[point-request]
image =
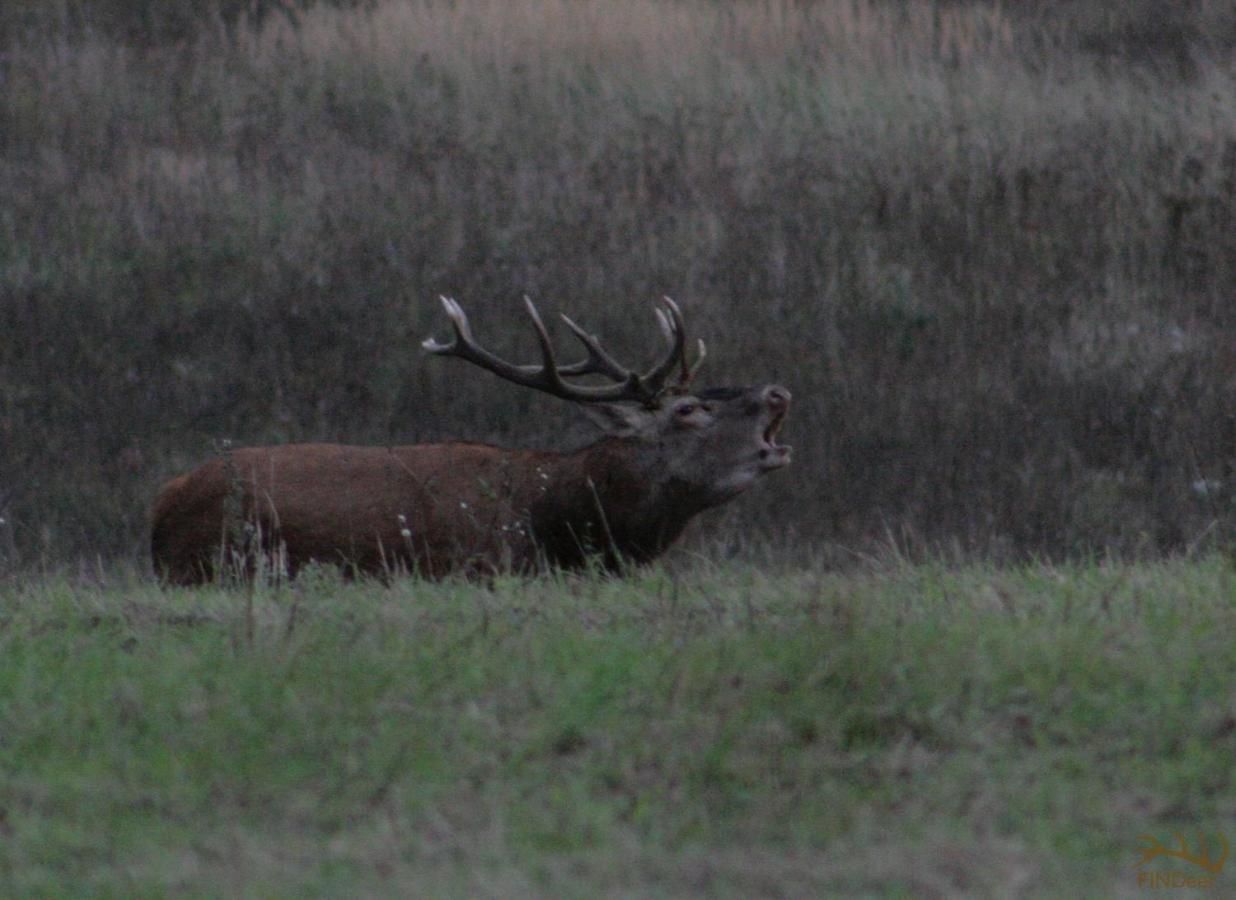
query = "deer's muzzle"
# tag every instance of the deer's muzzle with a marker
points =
(777, 401)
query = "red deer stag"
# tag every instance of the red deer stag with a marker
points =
(466, 507)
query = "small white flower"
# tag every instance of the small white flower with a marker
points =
(401, 518)
(405, 532)
(463, 504)
(1204, 487)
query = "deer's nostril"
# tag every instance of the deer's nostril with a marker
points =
(777, 397)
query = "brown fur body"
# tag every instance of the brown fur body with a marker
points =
(428, 508)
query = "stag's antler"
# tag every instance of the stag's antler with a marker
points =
(548, 377)
(1154, 848)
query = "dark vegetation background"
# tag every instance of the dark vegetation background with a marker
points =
(990, 247)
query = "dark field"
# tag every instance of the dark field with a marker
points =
(991, 249)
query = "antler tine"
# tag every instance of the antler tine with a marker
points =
(547, 377)
(675, 332)
(667, 327)
(459, 322)
(549, 367)
(598, 362)
(464, 345)
(688, 372)
(675, 329)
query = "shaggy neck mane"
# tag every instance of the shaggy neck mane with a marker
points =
(606, 500)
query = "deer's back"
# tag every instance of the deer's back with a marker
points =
(368, 507)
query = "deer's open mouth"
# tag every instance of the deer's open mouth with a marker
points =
(773, 454)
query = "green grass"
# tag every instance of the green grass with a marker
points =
(905, 731)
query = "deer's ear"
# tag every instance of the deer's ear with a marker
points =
(618, 419)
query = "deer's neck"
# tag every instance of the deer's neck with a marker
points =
(606, 500)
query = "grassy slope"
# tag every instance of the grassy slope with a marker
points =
(917, 729)
(990, 248)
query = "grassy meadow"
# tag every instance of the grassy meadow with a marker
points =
(706, 729)
(989, 247)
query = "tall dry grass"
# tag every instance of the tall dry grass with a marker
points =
(989, 247)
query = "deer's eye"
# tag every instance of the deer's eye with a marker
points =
(686, 409)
